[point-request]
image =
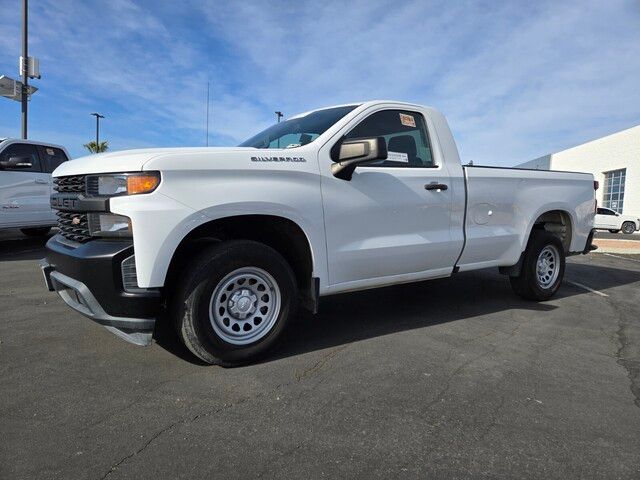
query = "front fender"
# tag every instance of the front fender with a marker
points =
(155, 245)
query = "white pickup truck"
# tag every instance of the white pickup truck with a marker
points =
(25, 184)
(226, 243)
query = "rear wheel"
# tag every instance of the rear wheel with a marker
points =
(542, 267)
(36, 232)
(614, 231)
(236, 299)
(628, 227)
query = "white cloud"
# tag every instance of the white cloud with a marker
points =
(516, 80)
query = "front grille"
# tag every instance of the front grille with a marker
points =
(74, 226)
(92, 186)
(72, 183)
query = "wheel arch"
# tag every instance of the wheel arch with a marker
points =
(556, 221)
(282, 234)
(559, 222)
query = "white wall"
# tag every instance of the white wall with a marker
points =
(613, 152)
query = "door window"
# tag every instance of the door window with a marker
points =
(22, 150)
(605, 211)
(405, 133)
(52, 157)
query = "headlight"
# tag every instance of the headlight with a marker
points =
(109, 225)
(122, 184)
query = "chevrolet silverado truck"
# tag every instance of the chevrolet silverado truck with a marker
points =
(25, 184)
(226, 243)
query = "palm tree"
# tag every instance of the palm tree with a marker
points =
(99, 148)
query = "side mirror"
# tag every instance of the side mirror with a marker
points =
(17, 162)
(351, 153)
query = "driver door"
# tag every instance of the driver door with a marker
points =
(383, 225)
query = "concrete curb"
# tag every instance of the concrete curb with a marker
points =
(617, 246)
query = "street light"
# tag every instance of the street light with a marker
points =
(25, 71)
(98, 117)
(18, 90)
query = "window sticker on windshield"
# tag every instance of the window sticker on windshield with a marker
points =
(407, 120)
(397, 157)
(50, 152)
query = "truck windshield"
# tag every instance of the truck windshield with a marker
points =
(298, 131)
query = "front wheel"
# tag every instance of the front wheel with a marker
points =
(628, 227)
(542, 267)
(235, 301)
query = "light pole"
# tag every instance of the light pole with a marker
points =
(25, 67)
(98, 117)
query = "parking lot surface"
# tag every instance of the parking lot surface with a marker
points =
(452, 378)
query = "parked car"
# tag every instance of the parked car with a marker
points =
(607, 219)
(25, 184)
(227, 242)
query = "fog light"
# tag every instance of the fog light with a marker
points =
(109, 225)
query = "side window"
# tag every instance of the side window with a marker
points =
(52, 157)
(601, 211)
(29, 152)
(405, 133)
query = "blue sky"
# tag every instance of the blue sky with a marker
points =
(515, 79)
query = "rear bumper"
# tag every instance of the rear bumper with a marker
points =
(88, 278)
(589, 247)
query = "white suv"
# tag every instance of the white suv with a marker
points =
(25, 184)
(607, 219)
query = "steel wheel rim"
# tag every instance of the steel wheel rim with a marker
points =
(244, 306)
(548, 266)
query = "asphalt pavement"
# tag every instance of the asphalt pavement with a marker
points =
(454, 378)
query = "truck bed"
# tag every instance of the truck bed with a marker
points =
(503, 204)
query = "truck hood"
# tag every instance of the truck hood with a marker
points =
(135, 160)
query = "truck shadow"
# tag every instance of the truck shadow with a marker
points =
(352, 317)
(15, 246)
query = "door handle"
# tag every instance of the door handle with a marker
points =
(435, 186)
(42, 181)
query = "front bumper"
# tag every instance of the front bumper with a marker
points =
(88, 278)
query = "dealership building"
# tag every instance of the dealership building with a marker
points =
(614, 161)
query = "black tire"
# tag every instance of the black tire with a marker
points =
(614, 231)
(36, 231)
(628, 228)
(527, 284)
(198, 283)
